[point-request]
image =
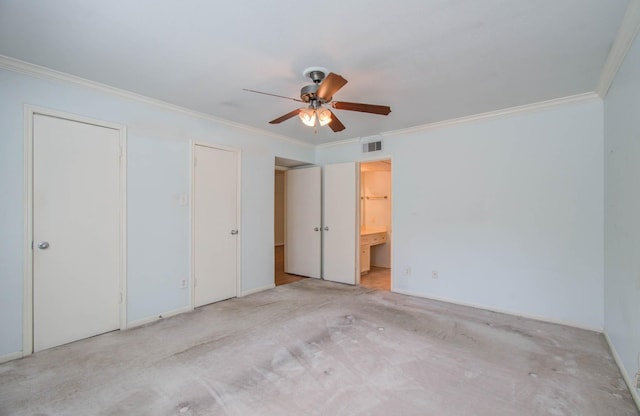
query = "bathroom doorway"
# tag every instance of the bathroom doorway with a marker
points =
(375, 224)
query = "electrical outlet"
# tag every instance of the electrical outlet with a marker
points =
(407, 271)
(434, 274)
(183, 284)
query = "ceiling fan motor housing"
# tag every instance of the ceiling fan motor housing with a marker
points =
(308, 93)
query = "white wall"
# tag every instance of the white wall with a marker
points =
(622, 212)
(158, 173)
(508, 211)
(158, 226)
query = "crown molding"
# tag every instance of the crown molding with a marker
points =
(27, 68)
(522, 109)
(626, 35)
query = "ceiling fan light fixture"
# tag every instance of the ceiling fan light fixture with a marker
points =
(308, 116)
(324, 116)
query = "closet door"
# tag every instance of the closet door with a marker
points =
(303, 220)
(76, 230)
(341, 224)
(215, 228)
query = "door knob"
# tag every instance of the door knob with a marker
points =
(326, 228)
(234, 232)
(316, 229)
(43, 245)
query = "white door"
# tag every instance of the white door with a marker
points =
(340, 226)
(303, 220)
(76, 230)
(215, 228)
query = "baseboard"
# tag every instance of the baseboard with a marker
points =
(498, 310)
(10, 357)
(150, 319)
(625, 375)
(256, 290)
(278, 244)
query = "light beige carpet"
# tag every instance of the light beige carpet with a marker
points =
(318, 348)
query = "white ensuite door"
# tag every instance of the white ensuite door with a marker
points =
(77, 226)
(303, 247)
(215, 225)
(340, 223)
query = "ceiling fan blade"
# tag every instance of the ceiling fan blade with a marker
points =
(273, 95)
(285, 117)
(363, 108)
(335, 124)
(330, 85)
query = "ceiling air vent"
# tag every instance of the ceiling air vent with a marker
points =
(372, 146)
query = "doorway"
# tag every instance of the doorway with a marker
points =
(281, 184)
(281, 278)
(375, 224)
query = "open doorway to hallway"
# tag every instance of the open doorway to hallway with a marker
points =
(279, 222)
(375, 224)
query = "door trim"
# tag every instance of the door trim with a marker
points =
(192, 153)
(27, 310)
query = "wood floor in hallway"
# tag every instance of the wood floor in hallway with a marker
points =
(282, 278)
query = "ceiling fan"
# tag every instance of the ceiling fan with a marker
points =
(319, 95)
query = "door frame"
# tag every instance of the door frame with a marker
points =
(27, 311)
(192, 172)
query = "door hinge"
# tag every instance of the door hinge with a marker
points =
(120, 298)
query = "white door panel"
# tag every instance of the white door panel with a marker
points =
(215, 225)
(303, 220)
(76, 210)
(340, 226)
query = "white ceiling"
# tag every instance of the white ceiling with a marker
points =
(430, 60)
